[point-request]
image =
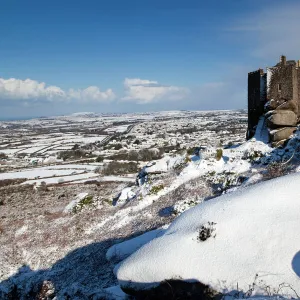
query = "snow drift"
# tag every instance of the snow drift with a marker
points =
(247, 237)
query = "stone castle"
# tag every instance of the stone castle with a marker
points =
(275, 93)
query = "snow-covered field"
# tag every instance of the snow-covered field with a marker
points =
(93, 190)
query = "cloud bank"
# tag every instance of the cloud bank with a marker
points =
(31, 91)
(141, 91)
(145, 91)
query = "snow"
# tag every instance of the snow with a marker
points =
(117, 178)
(31, 150)
(256, 232)
(61, 179)
(10, 151)
(47, 172)
(50, 160)
(126, 195)
(122, 250)
(21, 230)
(119, 129)
(163, 165)
(71, 166)
(115, 293)
(74, 202)
(86, 140)
(38, 172)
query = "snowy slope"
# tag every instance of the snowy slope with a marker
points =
(256, 240)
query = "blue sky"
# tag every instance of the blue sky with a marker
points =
(59, 57)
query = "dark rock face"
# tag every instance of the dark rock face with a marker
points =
(175, 289)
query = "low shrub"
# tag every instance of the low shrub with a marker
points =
(206, 231)
(253, 155)
(276, 169)
(142, 155)
(187, 159)
(7, 182)
(156, 188)
(73, 154)
(99, 158)
(219, 154)
(118, 146)
(3, 156)
(119, 168)
(190, 151)
(88, 200)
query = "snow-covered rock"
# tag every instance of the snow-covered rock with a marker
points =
(249, 236)
(51, 160)
(125, 195)
(164, 165)
(124, 249)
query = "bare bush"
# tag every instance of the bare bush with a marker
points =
(119, 168)
(73, 154)
(206, 231)
(3, 156)
(142, 155)
(7, 182)
(276, 169)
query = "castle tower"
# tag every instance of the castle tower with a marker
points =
(257, 91)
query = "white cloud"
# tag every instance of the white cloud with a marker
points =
(272, 31)
(147, 91)
(91, 94)
(30, 91)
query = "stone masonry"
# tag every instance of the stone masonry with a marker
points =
(276, 94)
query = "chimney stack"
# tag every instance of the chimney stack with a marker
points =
(283, 60)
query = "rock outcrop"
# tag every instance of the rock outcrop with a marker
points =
(281, 119)
(282, 133)
(290, 105)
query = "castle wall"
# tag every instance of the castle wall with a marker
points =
(282, 83)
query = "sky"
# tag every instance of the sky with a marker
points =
(65, 56)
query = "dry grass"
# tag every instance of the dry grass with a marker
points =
(7, 182)
(276, 169)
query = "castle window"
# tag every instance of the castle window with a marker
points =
(279, 87)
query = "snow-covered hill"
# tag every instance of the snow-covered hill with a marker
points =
(88, 226)
(249, 237)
